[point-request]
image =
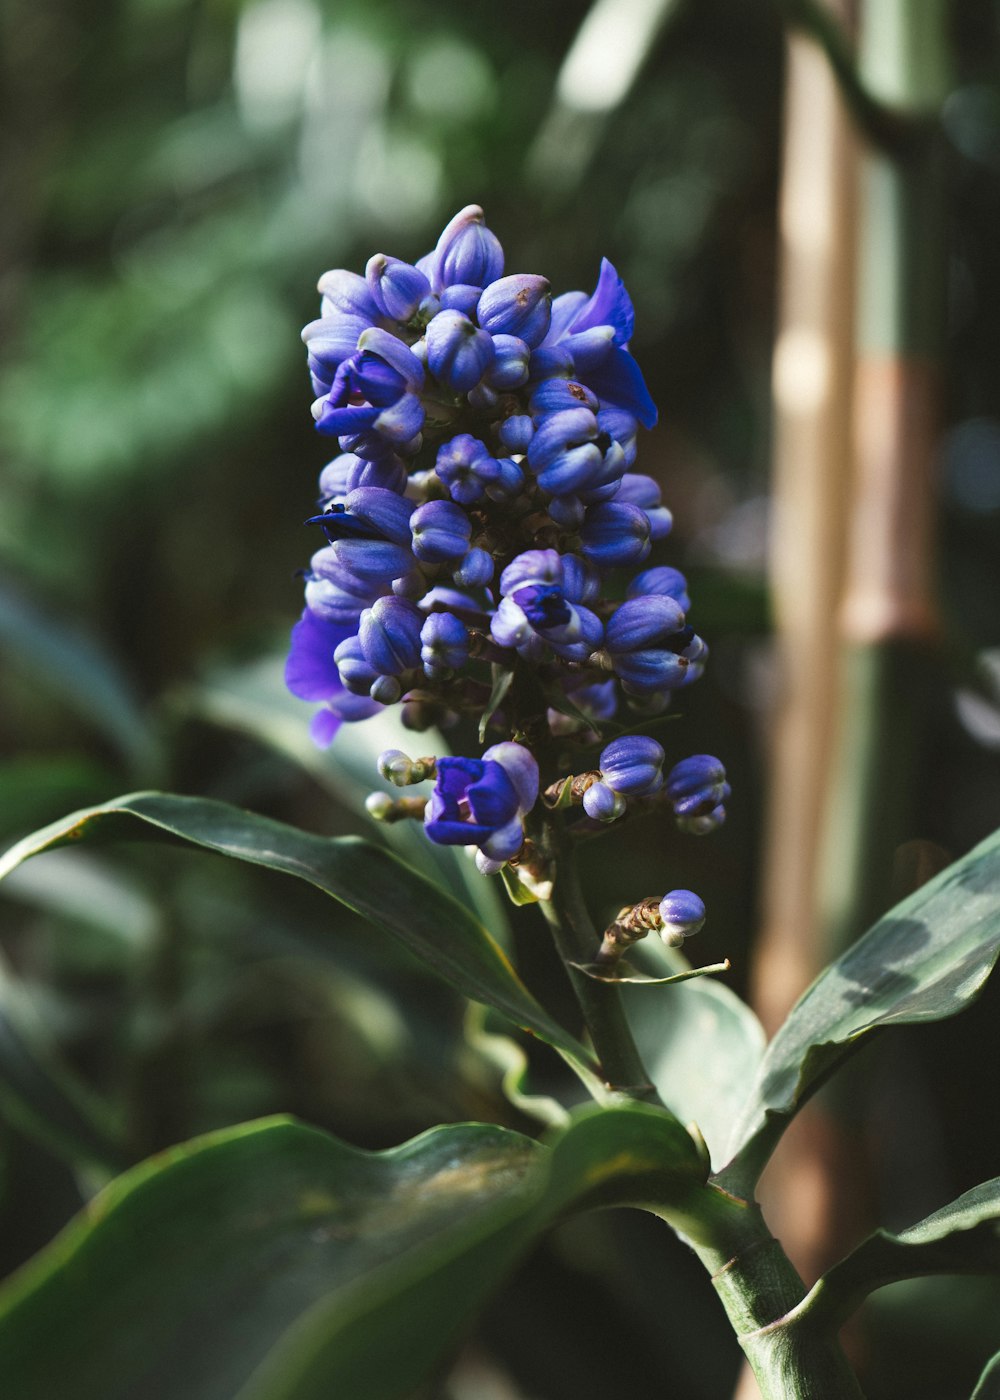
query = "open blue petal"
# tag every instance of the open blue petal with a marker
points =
(618, 380)
(610, 305)
(310, 671)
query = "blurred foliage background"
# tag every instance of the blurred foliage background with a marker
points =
(175, 176)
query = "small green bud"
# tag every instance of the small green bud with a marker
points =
(395, 766)
(379, 805)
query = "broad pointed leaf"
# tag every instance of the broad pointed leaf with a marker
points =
(41, 1095)
(925, 960)
(76, 668)
(700, 1043)
(961, 1238)
(254, 700)
(989, 1382)
(271, 1262)
(367, 878)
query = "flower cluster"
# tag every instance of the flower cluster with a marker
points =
(480, 506)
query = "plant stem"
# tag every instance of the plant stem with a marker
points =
(792, 1359)
(577, 941)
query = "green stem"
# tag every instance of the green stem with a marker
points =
(792, 1357)
(578, 941)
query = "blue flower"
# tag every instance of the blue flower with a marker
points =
(389, 634)
(312, 674)
(467, 253)
(441, 532)
(444, 644)
(466, 468)
(661, 579)
(615, 533)
(517, 306)
(697, 788)
(564, 453)
(482, 801)
(683, 914)
(458, 352)
(612, 374)
(650, 646)
(397, 289)
(538, 611)
(632, 765)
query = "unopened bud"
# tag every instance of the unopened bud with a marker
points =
(683, 914)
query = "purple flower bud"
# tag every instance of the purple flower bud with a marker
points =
(581, 581)
(647, 638)
(683, 914)
(551, 362)
(334, 477)
(552, 395)
(475, 570)
(334, 593)
(563, 453)
(520, 305)
(644, 492)
(462, 298)
(662, 579)
(533, 566)
(567, 511)
(467, 252)
(357, 674)
(508, 482)
(515, 433)
(397, 288)
(458, 354)
(482, 397)
(622, 428)
(386, 513)
(697, 785)
(346, 294)
(330, 341)
(510, 367)
(601, 804)
(615, 534)
(605, 484)
(643, 622)
(389, 634)
(386, 690)
(373, 562)
(388, 473)
(466, 468)
(632, 765)
(441, 531)
(444, 644)
(392, 350)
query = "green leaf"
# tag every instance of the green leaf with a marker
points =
(40, 1094)
(961, 1238)
(701, 1045)
(272, 1262)
(622, 974)
(925, 960)
(502, 681)
(75, 668)
(989, 1382)
(254, 700)
(367, 878)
